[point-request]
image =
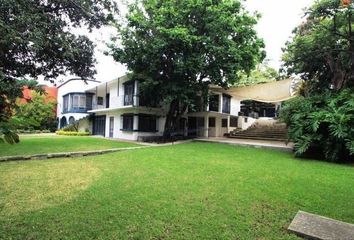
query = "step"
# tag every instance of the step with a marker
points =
(260, 138)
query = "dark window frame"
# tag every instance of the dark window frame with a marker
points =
(100, 101)
(224, 123)
(128, 122)
(226, 103)
(233, 121)
(147, 123)
(212, 122)
(214, 101)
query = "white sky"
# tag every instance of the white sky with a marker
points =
(279, 18)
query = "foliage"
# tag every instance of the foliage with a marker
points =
(323, 123)
(177, 48)
(37, 114)
(322, 49)
(72, 133)
(262, 74)
(7, 135)
(37, 39)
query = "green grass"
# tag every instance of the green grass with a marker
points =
(188, 191)
(54, 144)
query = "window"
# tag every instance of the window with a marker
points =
(99, 100)
(75, 101)
(233, 121)
(211, 122)
(224, 122)
(66, 103)
(82, 101)
(226, 103)
(147, 123)
(79, 101)
(128, 122)
(214, 103)
(128, 93)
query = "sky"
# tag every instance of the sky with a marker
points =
(279, 18)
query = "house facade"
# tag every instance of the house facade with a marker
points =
(113, 109)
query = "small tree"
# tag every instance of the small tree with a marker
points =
(38, 113)
(176, 49)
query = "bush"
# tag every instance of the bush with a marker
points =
(323, 124)
(68, 133)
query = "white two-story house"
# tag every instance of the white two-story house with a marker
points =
(116, 111)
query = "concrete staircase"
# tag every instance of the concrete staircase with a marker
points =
(274, 132)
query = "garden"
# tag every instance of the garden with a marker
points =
(191, 190)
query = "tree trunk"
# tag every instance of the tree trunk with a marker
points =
(171, 119)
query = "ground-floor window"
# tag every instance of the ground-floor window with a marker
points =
(233, 121)
(128, 122)
(224, 122)
(211, 122)
(147, 123)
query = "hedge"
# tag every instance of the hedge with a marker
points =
(72, 133)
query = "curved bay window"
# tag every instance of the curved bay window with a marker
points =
(77, 102)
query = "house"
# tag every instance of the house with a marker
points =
(116, 111)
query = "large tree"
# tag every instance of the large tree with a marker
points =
(322, 48)
(176, 49)
(37, 39)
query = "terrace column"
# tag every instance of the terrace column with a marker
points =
(206, 126)
(136, 123)
(220, 103)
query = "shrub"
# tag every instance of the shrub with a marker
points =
(323, 124)
(68, 133)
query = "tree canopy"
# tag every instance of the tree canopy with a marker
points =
(39, 113)
(177, 48)
(262, 74)
(322, 49)
(37, 39)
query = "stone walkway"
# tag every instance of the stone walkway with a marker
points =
(311, 226)
(250, 143)
(65, 154)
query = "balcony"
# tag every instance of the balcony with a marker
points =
(116, 102)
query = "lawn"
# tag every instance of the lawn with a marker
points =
(186, 191)
(54, 144)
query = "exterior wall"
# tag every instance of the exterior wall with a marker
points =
(245, 122)
(129, 135)
(235, 106)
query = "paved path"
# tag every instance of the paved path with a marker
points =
(311, 226)
(66, 154)
(250, 143)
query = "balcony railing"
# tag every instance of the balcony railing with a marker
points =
(128, 100)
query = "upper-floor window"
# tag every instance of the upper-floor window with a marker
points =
(79, 101)
(99, 100)
(129, 93)
(214, 103)
(226, 103)
(66, 103)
